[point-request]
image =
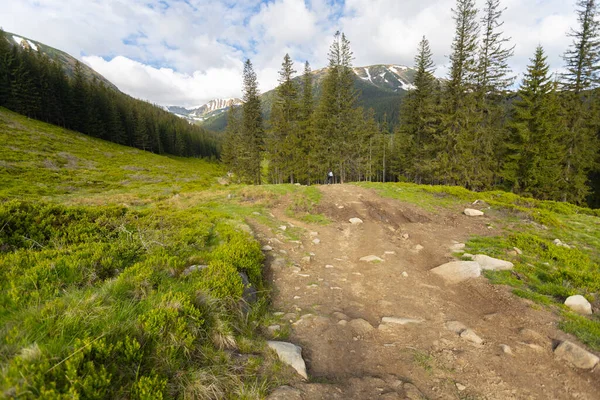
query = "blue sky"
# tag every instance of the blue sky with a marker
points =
(186, 52)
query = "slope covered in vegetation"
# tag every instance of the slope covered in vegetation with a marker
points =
(96, 302)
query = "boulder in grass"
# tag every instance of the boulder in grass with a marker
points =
(579, 304)
(493, 264)
(471, 212)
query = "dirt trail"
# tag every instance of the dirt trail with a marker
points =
(355, 360)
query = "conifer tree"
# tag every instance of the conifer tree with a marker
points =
(455, 144)
(419, 118)
(583, 66)
(283, 138)
(306, 140)
(533, 149)
(252, 130)
(335, 114)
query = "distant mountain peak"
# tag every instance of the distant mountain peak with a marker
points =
(390, 76)
(210, 109)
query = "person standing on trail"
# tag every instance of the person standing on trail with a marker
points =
(329, 177)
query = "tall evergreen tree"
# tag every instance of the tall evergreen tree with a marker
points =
(419, 118)
(283, 138)
(252, 130)
(306, 139)
(583, 65)
(533, 149)
(333, 118)
(456, 142)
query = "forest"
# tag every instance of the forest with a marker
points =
(474, 128)
(33, 84)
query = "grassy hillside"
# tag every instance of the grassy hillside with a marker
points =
(95, 300)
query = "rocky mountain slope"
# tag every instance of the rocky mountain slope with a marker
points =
(211, 109)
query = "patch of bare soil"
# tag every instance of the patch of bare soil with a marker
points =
(335, 305)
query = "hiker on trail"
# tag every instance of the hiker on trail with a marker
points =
(329, 177)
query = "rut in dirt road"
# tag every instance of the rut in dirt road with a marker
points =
(388, 328)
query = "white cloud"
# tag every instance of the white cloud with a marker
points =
(164, 85)
(187, 52)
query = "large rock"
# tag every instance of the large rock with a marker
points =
(360, 327)
(356, 221)
(458, 271)
(471, 212)
(576, 355)
(579, 304)
(291, 355)
(490, 263)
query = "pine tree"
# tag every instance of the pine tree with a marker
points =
(583, 66)
(494, 79)
(419, 118)
(231, 142)
(306, 140)
(533, 149)
(334, 116)
(455, 145)
(252, 130)
(283, 138)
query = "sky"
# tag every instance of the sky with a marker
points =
(187, 52)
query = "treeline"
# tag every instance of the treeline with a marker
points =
(34, 85)
(469, 130)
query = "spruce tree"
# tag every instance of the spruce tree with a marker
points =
(583, 66)
(533, 149)
(252, 130)
(419, 118)
(456, 145)
(283, 138)
(306, 140)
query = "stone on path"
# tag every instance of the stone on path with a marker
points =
(316, 241)
(471, 336)
(460, 387)
(471, 212)
(267, 248)
(419, 247)
(490, 263)
(576, 355)
(306, 260)
(455, 326)
(328, 266)
(314, 234)
(400, 321)
(579, 304)
(371, 258)
(360, 327)
(458, 271)
(356, 221)
(290, 354)
(285, 393)
(506, 349)
(283, 227)
(405, 274)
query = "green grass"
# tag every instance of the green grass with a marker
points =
(94, 240)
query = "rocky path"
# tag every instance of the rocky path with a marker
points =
(384, 327)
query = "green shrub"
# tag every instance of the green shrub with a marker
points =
(222, 280)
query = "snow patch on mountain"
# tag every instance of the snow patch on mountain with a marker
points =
(24, 42)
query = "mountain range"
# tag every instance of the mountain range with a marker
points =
(211, 109)
(380, 87)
